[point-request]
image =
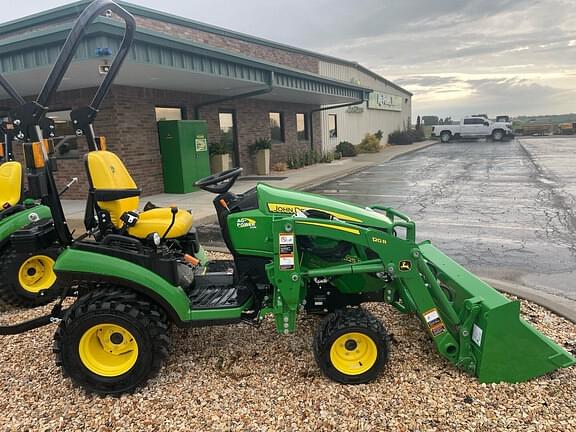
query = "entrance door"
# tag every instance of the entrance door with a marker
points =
(229, 134)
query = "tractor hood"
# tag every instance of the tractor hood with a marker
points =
(272, 200)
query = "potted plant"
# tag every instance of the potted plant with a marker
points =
(261, 149)
(219, 157)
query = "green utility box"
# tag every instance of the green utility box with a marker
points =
(184, 149)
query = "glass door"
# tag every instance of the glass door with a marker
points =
(229, 134)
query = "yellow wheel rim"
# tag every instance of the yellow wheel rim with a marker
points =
(37, 273)
(108, 350)
(353, 353)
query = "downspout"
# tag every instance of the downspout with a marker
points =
(259, 92)
(311, 112)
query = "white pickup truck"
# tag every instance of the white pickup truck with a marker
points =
(474, 127)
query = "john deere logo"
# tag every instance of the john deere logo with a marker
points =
(112, 169)
(245, 223)
(405, 265)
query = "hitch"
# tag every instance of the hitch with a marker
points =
(54, 317)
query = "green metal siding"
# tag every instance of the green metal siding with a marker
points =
(40, 49)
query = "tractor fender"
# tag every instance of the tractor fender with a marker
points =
(13, 223)
(78, 265)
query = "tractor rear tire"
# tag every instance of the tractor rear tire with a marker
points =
(351, 346)
(28, 279)
(111, 341)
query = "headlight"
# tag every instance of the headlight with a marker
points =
(154, 238)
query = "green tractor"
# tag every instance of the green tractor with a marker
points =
(137, 273)
(28, 278)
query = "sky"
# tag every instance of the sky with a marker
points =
(458, 57)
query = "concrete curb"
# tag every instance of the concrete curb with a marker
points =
(559, 305)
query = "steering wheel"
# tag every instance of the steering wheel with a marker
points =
(219, 183)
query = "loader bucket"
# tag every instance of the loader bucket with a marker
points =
(505, 347)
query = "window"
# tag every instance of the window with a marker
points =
(227, 123)
(332, 126)
(472, 121)
(276, 127)
(66, 142)
(302, 127)
(169, 113)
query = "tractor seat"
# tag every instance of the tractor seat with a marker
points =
(10, 184)
(113, 190)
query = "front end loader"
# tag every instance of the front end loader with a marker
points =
(293, 252)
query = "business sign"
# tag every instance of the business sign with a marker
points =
(355, 110)
(384, 101)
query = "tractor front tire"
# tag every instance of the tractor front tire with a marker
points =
(111, 341)
(351, 346)
(28, 279)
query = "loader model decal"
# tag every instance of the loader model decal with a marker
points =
(295, 209)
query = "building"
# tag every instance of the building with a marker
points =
(244, 87)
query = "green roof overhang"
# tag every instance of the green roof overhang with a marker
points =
(154, 51)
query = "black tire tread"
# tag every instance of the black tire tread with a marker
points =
(350, 319)
(9, 293)
(124, 301)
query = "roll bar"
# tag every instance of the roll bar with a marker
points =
(30, 117)
(71, 45)
(11, 91)
(30, 114)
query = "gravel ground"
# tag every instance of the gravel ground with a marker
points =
(251, 379)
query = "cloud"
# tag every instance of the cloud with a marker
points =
(441, 49)
(457, 96)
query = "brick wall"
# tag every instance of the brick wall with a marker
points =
(127, 119)
(274, 55)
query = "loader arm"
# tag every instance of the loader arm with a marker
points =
(471, 324)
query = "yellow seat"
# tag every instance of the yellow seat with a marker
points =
(106, 172)
(10, 184)
(158, 220)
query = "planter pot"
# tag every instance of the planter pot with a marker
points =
(263, 162)
(219, 163)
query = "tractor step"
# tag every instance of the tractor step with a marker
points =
(220, 266)
(217, 291)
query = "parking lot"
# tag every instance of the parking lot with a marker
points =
(505, 210)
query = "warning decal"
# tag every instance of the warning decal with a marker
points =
(286, 251)
(476, 335)
(435, 323)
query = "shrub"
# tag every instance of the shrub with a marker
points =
(419, 135)
(400, 138)
(327, 157)
(379, 134)
(369, 144)
(302, 158)
(347, 149)
(279, 166)
(218, 148)
(260, 144)
(337, 155)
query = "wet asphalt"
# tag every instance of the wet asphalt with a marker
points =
(504, 210)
